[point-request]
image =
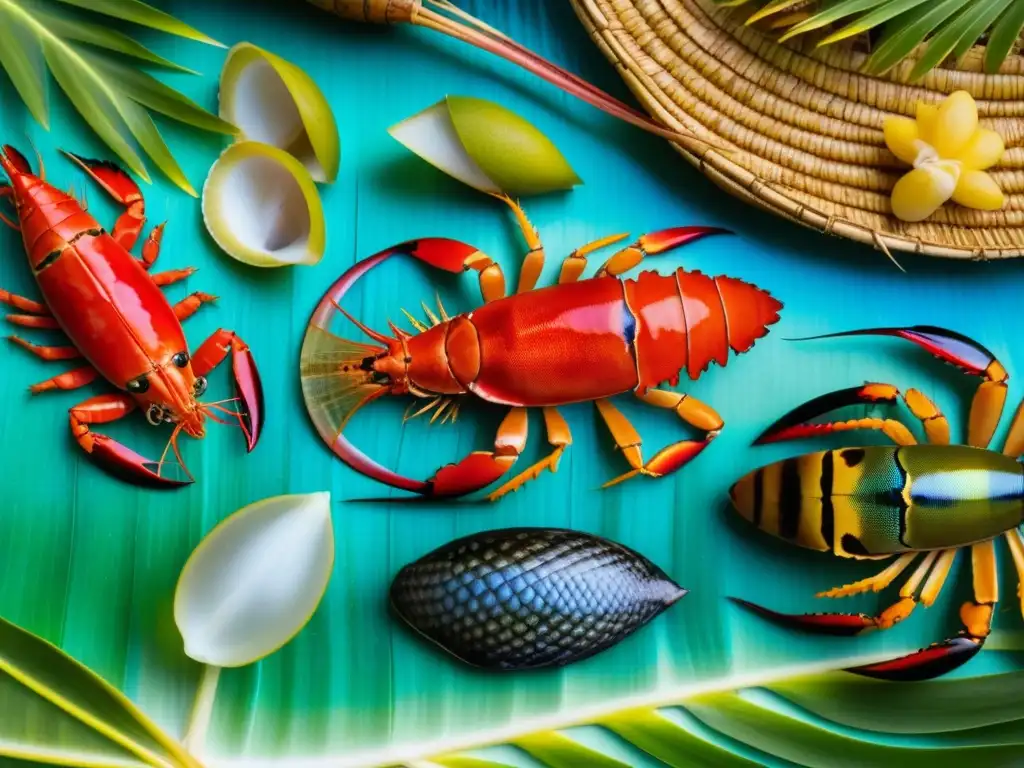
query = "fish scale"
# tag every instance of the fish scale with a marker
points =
(527, 598)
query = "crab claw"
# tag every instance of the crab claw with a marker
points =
(934, 661)
(841, 624)
(794, 424)
(965, 354)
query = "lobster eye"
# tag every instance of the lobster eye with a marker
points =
(180, 359)
(200, 385)
(155, 415)
(139, 385)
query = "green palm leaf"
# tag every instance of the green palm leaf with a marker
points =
(112, 97)
(54, 710)
(832, 720)
(945, 27)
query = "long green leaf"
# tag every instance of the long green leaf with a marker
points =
(878, 16)
(93, 103)
(1004, 35)
(910, 31)
(150, 92)
(973, 17)
(104, 37)
(22, 58)
(559, 751)
(146, 133)
(144, 15)
(830, 15)
(982, 20)
(55, 710)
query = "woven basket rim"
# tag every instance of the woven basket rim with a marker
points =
(806, 123)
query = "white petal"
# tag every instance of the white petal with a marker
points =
(431, 135)
(255, 581)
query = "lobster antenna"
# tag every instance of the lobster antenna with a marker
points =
(379, 337)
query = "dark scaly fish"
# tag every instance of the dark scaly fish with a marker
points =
(526, 598)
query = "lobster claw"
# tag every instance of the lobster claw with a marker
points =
(476, 471)
(840, 624)
(121, 461)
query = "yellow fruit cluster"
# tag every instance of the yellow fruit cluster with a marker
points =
(950, 153)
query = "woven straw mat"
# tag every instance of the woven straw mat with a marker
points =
(805, 125)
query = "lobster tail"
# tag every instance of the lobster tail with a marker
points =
(749, 311)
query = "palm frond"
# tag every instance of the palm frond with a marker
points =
(931, 30)
(90, 63)
(825, 720)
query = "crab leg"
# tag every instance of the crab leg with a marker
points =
(943, 657)
(107, 452)
(42, 322)
(172, 276)
(212, 353)
(965, 354)
(795, 424)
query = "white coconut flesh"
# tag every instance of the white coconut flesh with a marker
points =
(264, 111)
(431, 134)
(257, 209)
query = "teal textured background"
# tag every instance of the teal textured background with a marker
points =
(90, 563)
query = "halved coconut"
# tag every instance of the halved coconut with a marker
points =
(271, 100)
(262, 207)
(486, 146)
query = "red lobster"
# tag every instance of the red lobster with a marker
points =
(117, 319)
(580, 340)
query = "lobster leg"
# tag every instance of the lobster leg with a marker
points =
(576, 261)
(943, 657)
(47, 353)
(23, 304)
(151, 248)
(970, 357)
(108, 453)
(533, 264)
(173, 276)
(481, 468)
(42, 322)
(875, 583)
(652, 244)
(672, 457)
(559, 437)
(795, 424)
(72, 379)
(188, 306)
(212, 353)
(120, 186)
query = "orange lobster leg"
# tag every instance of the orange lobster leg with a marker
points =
(20, 302)
(481, 468)
(47, 353)
(559, 437)
(43, 322)
(120, 186)
(533, 264)
(173, 276)
(576, 262)
(672, 457)
(188, 306)
(652, 244)
(151, 248)
(211, 353)
(73, 379)
(107, 452)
